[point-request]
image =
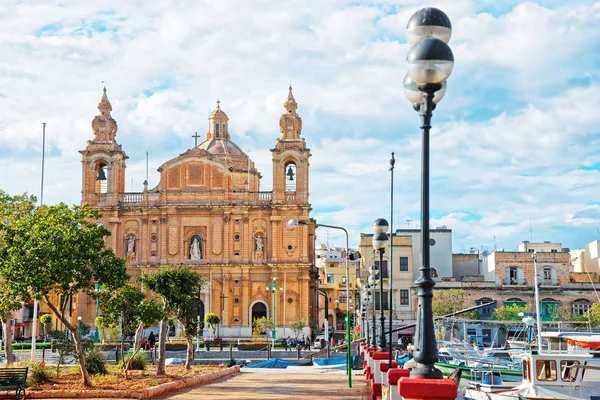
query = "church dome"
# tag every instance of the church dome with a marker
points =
(219, 147)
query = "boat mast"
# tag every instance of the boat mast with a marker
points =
(537, 303)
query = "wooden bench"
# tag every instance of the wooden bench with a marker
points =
(14, 379)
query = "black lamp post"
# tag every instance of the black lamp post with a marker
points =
(380, 241)
(430, 62)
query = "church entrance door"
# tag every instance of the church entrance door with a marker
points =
(259, 310)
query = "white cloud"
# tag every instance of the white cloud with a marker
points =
(507, 140)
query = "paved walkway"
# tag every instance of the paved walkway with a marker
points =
(291, 383)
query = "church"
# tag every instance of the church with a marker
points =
(208, 213)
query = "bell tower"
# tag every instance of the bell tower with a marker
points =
(290, 158)
(103, 160)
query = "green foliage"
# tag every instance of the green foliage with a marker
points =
(38, 373)
(298, 326)
(510, 312)
(60, 250)
(124, 308)
(27, 346)
(64, 347)
(213, 320)
(130, 308)
(261, 326)
(138, 362)
(95, 363)
(594, 314)
(46, 319)
(100, 322)
(55, 253)
(178, 289)
(449, 301)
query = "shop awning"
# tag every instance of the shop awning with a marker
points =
(407, 331)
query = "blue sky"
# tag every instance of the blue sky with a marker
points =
(515, 139)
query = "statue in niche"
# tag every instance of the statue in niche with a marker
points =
(195, 248)
(259, 244)
(131, 245)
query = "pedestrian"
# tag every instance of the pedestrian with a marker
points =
(151, 340)
(307, 343)
(288, 344)
(332, 341)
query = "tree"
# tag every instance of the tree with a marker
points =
(178, 289)
(12, 210)
(130, 308)
(297, 327)
(56, 253)
(510, 312)
(46, 320)
(64, 347)
(101, 323)
(261, 326)
(594, 314)
(213, 321)
(449, 301)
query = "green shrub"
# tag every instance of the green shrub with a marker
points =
(139, 361)
(95, 363)
(38, 373)
(27, 346)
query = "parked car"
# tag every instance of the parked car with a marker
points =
(317, 342)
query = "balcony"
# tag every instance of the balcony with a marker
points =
(207, 197)
(514, 282)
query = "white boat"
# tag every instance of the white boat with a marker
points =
(549, 376)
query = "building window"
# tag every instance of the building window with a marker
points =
(384, 272)
(514, 300)
(344, 279)
(385, 301)
(403, 264)
(403, 297)
(548, 276)
(331, 265)
(217, 130)
(485, 312)
(330, 278)
(581, 306)
(550, 308)
(514, 276)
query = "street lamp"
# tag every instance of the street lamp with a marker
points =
(380, 242)
(292, 223)
(373, 280)
(273, 286)
(430, 62)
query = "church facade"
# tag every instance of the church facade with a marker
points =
(208, 214)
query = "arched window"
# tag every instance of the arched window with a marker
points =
(290, 177)
(549, 309)
(581, 306)
(196, 248)
(514, 300)
(102, 178)
(485, 312)
(514, 276)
